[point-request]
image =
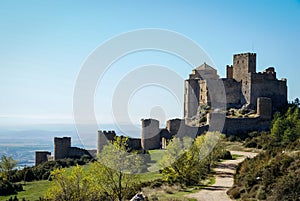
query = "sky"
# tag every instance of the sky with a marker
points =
(43, 45)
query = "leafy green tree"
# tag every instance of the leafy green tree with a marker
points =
(190, 164)
(112, 177)
(115, 172)
(286, 128)
(6, 165)
(71, 186)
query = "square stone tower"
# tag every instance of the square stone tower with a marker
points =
(243, 66)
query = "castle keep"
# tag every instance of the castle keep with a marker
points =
(243, 86)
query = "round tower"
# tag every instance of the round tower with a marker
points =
(150, 134)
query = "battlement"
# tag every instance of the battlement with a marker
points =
(245, 54)
(109, 134)
(104, 137)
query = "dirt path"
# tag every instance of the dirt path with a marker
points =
(224, 179)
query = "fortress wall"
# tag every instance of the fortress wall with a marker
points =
(41, 157)
(75, 152)
(274, 89)
(216, 92)
(175, 125)
(103, 138)
(264, 108)
(191, 97)
(164, 133)
(234, 126)
(233, 92)
(134, 143)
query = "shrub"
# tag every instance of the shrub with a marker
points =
(8, 188)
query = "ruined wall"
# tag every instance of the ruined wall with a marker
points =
(191, 97)
(264, 108)
(41, 157)
(175, 125)
(204, 98)
(134, 143)
(229, 72)
(234, 126)
(178, 128)
(233, 90)
(61, 147)
(264, 85)
(150, 134)
(76, 152)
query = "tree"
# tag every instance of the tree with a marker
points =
(110, 178)
(178, 162)
(6, 165)
(286, 128)
(115, 171)
(71, 186)
(190, 164)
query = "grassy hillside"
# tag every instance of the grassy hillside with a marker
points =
(32, 191)
(275, 173)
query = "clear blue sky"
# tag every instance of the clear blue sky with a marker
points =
(44, 43)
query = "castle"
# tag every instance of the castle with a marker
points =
(243, 86)
(244, 101)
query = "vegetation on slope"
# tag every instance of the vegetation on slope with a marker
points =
(275, 173)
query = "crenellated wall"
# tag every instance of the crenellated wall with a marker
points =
(103, 139)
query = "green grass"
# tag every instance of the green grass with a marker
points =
(32, 191)
(156, 156)
(150, 176)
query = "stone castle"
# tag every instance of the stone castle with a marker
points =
(244, 101)
(243, 86)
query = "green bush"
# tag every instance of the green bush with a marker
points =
(8, 188)
(273, 174)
